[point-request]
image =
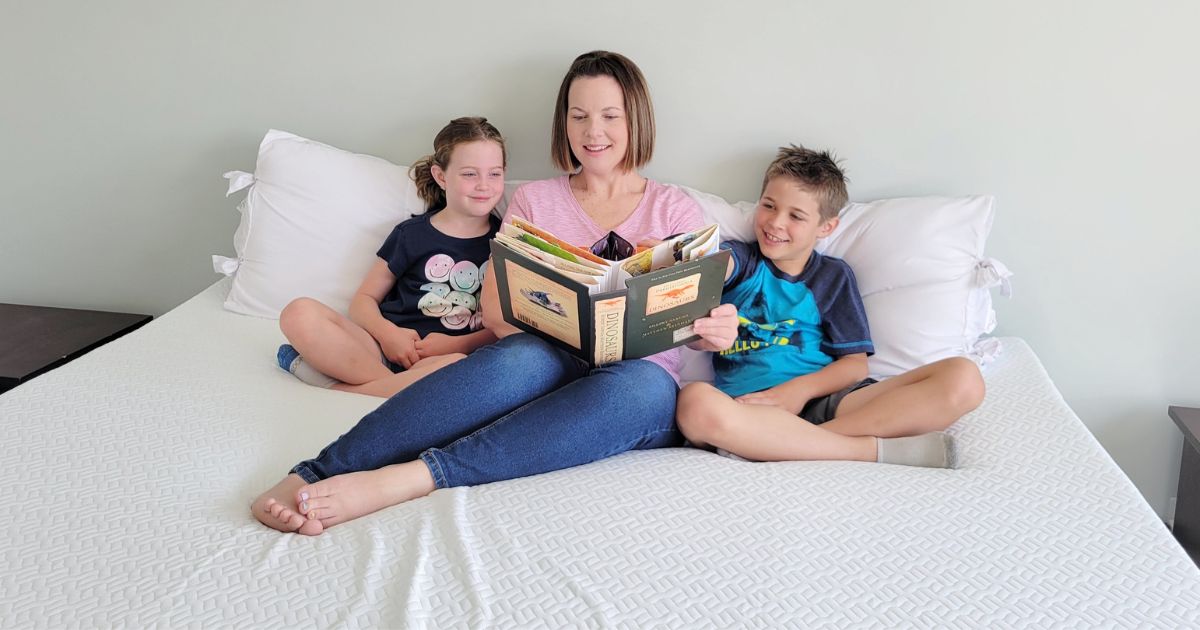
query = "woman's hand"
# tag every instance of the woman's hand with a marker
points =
(400, 346)
(718, 331)
(489, 305)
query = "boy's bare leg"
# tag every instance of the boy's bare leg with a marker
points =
(277, 508)
(349, 496)
(708, 416)
(764, 433)
(331, 343)
(929, 398)
(389, 385)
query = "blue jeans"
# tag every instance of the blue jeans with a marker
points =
(515, 408)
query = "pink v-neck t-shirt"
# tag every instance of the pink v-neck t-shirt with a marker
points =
(663, 211)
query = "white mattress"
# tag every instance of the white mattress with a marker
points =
(127, 475)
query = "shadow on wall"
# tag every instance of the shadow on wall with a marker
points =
(1129, 433)
(518, 97)
(736, 176)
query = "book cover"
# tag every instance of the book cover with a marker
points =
(604, 311)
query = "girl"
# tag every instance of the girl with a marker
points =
(521, 406)
(418, 308)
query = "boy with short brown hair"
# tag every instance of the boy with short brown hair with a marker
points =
(803, 343)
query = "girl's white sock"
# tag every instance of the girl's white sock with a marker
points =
(291, 361)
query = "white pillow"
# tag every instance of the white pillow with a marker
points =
(895, 243)
(921, 269)
(924, 277)
(510, 187)
(915, 325)
(311, 223)
(735, 221)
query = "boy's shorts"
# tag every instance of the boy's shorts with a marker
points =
(821, 410)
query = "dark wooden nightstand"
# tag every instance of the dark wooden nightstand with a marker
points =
(1187, 503)
(35, 339)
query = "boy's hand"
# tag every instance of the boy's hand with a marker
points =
(784, 395)
(437, 344)
(718, 331)
(400, 346)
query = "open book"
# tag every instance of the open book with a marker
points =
(604, 311)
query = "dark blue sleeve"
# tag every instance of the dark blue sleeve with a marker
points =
(843, 317)
(394, 251)
(745, 259)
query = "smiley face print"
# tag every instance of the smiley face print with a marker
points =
(451, 295)
(466, 300)
(434, 305)
(458, 318)
(440, 289)
(437, 268)
(464, 276)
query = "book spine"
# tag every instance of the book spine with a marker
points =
(609, 322)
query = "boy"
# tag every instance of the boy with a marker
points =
(803, 343)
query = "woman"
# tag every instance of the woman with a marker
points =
(522, 407)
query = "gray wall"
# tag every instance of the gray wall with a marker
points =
(118, 118)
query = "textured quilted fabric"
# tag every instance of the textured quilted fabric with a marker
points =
(128, 473)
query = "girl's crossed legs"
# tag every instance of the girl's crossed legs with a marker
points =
(341, 349)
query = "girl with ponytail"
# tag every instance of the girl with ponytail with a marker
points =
(432, 186)
(418, 308)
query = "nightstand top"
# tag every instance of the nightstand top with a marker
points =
(1188, 420)
(36, 338)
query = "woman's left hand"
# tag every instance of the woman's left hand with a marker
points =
(718, 331)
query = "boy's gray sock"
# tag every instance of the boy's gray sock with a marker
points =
(931, 450)
(291, 361)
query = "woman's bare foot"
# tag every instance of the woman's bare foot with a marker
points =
(349, 496)
(276, 508)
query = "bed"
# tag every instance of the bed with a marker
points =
(129, 472)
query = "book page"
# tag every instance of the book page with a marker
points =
(576, 272)
(575, 250)
(708, 241)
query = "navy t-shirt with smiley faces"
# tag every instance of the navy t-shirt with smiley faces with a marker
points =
(437, 277)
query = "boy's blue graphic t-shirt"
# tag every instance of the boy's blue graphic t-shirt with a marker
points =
(789, 325)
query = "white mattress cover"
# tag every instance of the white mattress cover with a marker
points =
(127, 475)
